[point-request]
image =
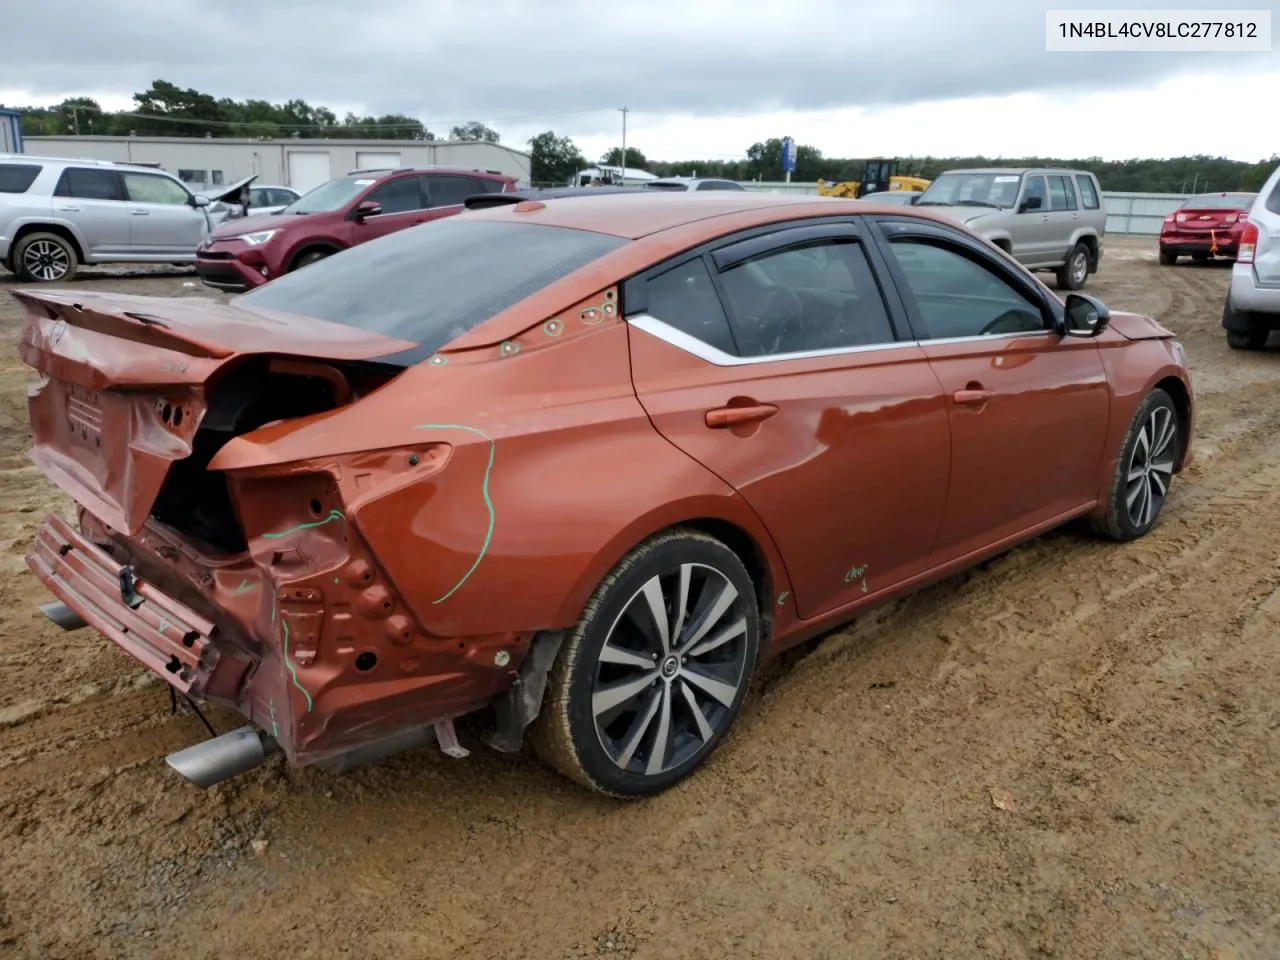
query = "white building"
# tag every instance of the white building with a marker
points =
(301, 164)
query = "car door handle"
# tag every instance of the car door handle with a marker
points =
(141, 213)
(1044, 218)
(722, 417)
(69, 209)
(972, 398)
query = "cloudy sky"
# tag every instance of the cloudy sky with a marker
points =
(702, 79)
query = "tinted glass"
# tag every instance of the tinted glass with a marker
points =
(1273, 201)
(448, 191)
(1218, 202)
(397, 196)
(820, 296)
(432, 284)
(89, 184)
(958, 297)
(486, 185)
(17, 177)
(686, 298)
(1088, 195)
(148, 188)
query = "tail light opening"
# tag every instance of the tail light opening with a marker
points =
(1248, 241)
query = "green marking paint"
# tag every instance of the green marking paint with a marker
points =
(292, 670)
(333, 515)
(484, 491)
(164, 625)
(783, 596)
(336, 580)
(245, 587)
(275, 731)
(856, 573)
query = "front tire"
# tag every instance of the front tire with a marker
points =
(1144, 470)
(308, 258)
(1073, 274)
(656, 669)
(45, 258)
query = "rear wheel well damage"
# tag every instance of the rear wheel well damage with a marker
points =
(520, 704)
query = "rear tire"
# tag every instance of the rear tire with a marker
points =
(1242, 333)
(1168, 259)
(629, 713)
(1199, 258)
(1149, 455)
(1073, 274)
(45, 258)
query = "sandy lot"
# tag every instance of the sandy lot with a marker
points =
(1124, 700)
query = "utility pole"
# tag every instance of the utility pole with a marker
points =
(623, 161)
(75, 118)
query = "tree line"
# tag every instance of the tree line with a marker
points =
(165, 109)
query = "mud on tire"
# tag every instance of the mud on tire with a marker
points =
(633, 706)
(1150, 451)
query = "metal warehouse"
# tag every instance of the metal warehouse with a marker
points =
(301, 164)
(10, 132)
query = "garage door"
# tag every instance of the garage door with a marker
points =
(308, 170)
(377, 161)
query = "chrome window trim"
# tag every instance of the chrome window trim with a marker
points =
(704, 351)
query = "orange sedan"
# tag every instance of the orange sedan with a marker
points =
(577, 465)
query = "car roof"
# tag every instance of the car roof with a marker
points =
(632, 217)
(1071, 170)
(479, 201)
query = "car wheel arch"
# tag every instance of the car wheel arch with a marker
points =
(730, 520)
(1173, 385)
(60, 229)
(324, 247)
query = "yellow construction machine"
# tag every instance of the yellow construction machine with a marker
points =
(877, 175)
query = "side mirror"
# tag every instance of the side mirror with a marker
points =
(368, 208)
(1086, 316)
(1030, 203)
(200, 200)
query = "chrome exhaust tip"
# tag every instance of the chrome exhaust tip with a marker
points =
(221, 758)
(62, 615)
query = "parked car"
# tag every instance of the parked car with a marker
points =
(258, 199)
(1045, 218)
(693, 183)
(342, 213)
(1252, 308)
(616, 451)
(1205, 226)
(483, 201)
(904, 198)
(57, 215)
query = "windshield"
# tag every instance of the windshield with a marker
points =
(330, 196)
(1216, 201)
(432, 283)
(973, 189)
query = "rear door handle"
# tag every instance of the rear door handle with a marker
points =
(141, 213)
(971, 398)
(732, 416)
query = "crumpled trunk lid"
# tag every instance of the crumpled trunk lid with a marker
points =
(124, 385)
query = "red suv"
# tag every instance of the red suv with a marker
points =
(363, 205)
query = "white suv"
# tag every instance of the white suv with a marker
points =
(1252, 309)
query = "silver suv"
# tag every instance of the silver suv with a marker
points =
(57, 214)
(1046, 218)
(693, 183)
(1252, 309)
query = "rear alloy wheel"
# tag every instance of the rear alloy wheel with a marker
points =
(1168, 259)
(655, 671)
(45, 258)
(1144, 469)
(1072, 274)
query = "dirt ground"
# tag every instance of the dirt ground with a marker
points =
(1068, 753)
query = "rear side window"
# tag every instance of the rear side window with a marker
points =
(1061, 194)
(87, 184)
(444, 191)
(486, 185)
(719, 185)
(17, 177)
(432, 284)
(685, 298)
(1273, 201)
(1088, 195)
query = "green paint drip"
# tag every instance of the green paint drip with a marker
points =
(245, 587)
(484, 490)
(275, 731)
(292, 670)
(333, 515)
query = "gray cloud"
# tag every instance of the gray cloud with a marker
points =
(446, 60)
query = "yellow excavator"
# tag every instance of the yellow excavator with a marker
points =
(877, 175)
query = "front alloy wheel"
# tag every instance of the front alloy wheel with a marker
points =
(1144, 470)
(656, 670)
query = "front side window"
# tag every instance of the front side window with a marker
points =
(432, 284)
(401, 195)
(956, 296)
(1035, 188)
(148, 188)
(819, 296)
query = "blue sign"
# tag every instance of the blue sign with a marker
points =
(788, 155)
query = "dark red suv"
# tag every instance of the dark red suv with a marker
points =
(363, 205)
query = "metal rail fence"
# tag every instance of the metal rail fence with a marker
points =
(1135, 214)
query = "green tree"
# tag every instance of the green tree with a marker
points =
(635, 159)
(554, 159)
(475, 130)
